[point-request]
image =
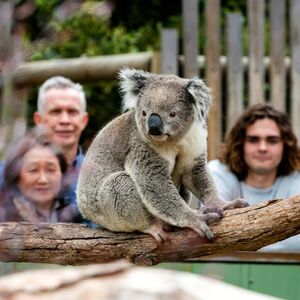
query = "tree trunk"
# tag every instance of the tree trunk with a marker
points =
(244, 229)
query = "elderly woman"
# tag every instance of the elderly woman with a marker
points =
(33, 181)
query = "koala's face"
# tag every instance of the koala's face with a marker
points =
(166, 106)
(164, 111)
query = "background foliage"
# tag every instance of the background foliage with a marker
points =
(74, 28)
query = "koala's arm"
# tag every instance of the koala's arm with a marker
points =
(157, 191)
(199, 181)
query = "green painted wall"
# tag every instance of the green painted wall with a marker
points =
(280, 280)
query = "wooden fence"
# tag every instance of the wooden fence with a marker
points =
(236, 79)
(240, 79)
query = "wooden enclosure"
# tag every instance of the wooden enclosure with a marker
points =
(262, 74)
(244, 73)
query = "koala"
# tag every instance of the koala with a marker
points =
(139, 167)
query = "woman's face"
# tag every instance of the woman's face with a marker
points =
(40, 176)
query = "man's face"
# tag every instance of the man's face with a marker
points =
(63, 118)
(263, 147)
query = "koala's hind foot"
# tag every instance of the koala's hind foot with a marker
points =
(206, 216)
(158, 230)
(237, 203)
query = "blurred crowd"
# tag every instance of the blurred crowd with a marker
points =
(39, 174)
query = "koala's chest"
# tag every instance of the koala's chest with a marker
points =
(181, 157)
(170, 155)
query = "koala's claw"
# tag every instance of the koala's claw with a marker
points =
(237, 203)
(211, 217)
(204, 231)
(212, 209)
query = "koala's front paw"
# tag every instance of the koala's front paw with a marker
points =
(211, 209)
(237, 203)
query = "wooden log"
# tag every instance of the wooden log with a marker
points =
(81, 69)
(245, 229)
(118, 280)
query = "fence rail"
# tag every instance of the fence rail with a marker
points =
(81, 69)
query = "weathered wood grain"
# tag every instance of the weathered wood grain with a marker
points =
(244, 229)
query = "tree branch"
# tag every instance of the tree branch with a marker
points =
(244, 229)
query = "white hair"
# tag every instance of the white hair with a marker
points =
(59, 82)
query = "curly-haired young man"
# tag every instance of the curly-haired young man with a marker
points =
(260, 158)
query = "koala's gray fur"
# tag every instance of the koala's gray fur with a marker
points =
(135, 167)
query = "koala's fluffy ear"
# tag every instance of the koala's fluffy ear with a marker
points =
(132, 82)
(201, 95)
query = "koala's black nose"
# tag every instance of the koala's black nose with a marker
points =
(155, 124)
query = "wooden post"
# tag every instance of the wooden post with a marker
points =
(295, 67)
(213, 75)
(190, 37)
(235, 100)
(5, 50)
(256, 10)
(170, 51)
(277, 67)
(155, 65)
(13, 104)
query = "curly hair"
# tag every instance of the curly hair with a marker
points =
(233, 147)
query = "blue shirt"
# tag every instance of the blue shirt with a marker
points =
(70, 179)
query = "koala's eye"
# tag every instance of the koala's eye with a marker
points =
(144, 113)
(172, 114)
